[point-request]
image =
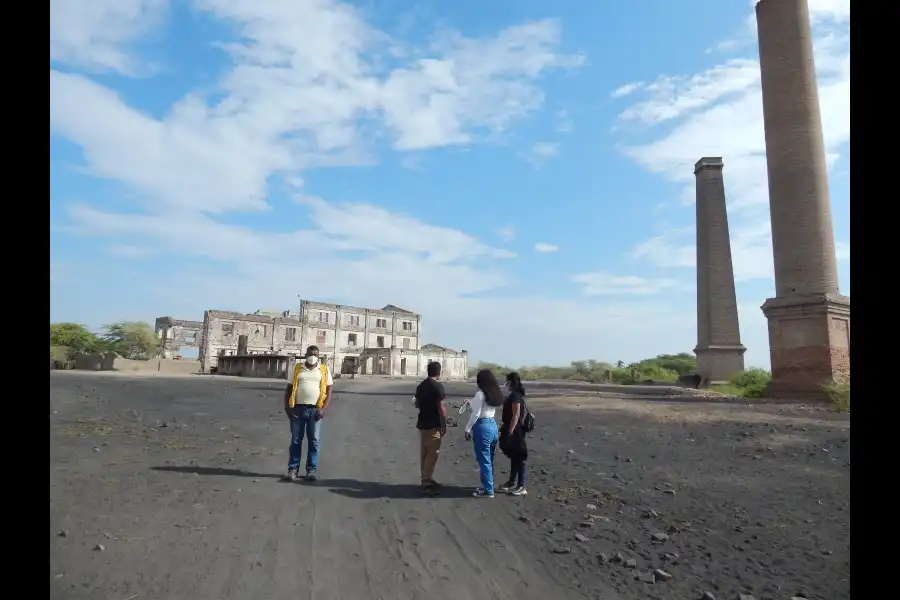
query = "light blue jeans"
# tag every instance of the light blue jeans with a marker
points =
(304, 422)
(484, 439)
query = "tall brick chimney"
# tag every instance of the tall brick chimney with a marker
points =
(719, 351)
(809, 320)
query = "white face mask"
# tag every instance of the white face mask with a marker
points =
(312, 360)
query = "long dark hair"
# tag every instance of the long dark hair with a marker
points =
(487, 383)
(515, 382)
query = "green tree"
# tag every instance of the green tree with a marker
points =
(581, 367)
(681, 363)
(75, 338)
(130, 339)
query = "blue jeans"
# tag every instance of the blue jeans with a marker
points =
(484, 438)
(304, 422)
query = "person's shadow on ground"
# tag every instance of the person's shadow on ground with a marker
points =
(350, 488)
(371, 490)
(218, 471)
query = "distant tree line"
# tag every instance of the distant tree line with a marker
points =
(751, 383)
(128, 339)
(665, 367)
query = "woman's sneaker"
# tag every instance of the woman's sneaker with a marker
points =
(519, 491)
(507, 487)
(480, 493)
(291, 475)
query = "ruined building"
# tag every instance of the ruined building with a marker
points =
(174, 334)
(350, 339)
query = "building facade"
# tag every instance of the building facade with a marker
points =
(265, 335)
(350, 339)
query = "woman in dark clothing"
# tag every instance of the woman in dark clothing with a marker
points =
(512, 435)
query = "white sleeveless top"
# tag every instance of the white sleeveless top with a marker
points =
(480, 410)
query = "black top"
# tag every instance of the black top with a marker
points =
(513, 398)
(430, 393)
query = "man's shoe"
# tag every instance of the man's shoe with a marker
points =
(519, 491)
(480, 493)
(432, 483)
(291, 475)
(311, 476)
(507, 487)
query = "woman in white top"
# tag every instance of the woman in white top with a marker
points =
(482, 429)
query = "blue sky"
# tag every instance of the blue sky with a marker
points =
(520, 174)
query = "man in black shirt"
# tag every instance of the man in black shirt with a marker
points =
(432, 423)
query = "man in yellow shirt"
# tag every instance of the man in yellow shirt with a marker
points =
(305, 399)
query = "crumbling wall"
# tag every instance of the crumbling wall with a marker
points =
(95, 362)
(255, 366)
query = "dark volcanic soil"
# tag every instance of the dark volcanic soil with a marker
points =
(168, 488)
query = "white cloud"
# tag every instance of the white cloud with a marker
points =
(603, 284)
(564, 122)
(545, 149)
(627, 89)
(307, 86)
(829, 10)
(541, 152)
(507, 233)
(92, 34)
(751, 249)
(671, 97)
(545, 248)
(364, 255)
(842, 249)
(413, 162)
(337, 228)
(718, 112)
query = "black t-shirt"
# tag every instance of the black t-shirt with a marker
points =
(513, 398)
(430, 393)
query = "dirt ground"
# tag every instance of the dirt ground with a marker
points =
(167, 487)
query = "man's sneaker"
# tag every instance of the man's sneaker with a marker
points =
(480, 493)
(519, 491)
(311, 476)
(291, 475)
(431, 483)
(507, 487)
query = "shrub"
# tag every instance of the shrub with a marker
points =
(839, 392)
(622, 376)
(656, 373)
(752, 382)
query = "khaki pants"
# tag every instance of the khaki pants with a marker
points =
(430, 446)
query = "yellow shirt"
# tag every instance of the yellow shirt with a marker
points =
(309, 383)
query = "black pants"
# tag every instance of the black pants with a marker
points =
(517, 472)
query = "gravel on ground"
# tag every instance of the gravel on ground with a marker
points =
(168, 487)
